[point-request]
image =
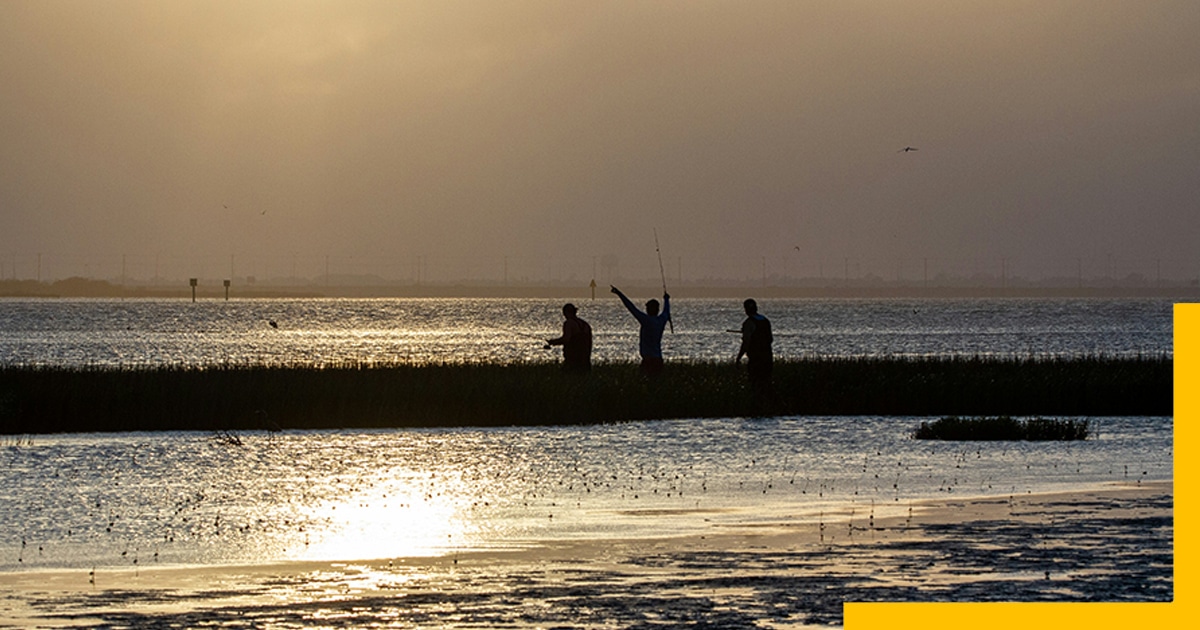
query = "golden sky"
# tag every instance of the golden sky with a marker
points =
(265, 135)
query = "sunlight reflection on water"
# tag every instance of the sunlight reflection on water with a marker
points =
(186, 498)
(321, 331)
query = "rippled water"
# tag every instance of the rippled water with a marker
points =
(182, 498)
(117, 500)
(157, 332)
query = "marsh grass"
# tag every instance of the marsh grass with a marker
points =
(1002, 428)
(351, 395)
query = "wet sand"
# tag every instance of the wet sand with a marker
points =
(1112, 544)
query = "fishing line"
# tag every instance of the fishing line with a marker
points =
(541, 340)
(663, 273)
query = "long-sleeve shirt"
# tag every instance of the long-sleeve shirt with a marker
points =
(651, 333)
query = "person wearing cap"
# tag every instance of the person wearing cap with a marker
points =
(576, 341)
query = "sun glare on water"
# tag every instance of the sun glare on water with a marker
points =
(399, 517)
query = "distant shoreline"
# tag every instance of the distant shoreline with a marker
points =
(81, 288)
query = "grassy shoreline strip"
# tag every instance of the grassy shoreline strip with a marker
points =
(52, 400)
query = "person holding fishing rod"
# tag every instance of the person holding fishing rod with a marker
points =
(576, 341)
(756, 346)
(650, 335)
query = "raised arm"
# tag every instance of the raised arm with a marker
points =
(633, 309)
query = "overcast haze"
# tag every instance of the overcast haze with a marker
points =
(271, 136)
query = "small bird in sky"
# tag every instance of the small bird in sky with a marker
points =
(907, 149)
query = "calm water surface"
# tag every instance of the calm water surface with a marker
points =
(171, 498)
(183, 498)
(321, 331)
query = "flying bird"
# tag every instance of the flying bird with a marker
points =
(907, 149)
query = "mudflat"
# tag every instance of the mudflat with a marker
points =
(1113, 544)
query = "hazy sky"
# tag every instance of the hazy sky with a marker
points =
(377, 132)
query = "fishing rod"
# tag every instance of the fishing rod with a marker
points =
(662, 272)
(518, 333)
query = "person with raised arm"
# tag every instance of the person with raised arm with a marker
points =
(652, 322)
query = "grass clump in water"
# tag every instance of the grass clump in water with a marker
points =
(1002, 428)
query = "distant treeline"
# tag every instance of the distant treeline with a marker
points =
(50, 400)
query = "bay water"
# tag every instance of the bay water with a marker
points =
(143, 499)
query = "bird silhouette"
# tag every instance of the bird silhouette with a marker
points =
(272, 323)
(907, 149)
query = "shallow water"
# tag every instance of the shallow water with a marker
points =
(91, 500)
(321, 331)
(187, 498)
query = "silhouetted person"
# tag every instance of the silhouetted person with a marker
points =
(576, 341)
(756, 346)
(651, 332)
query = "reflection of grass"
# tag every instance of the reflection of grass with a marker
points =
(40, 400)
(1002, 428)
